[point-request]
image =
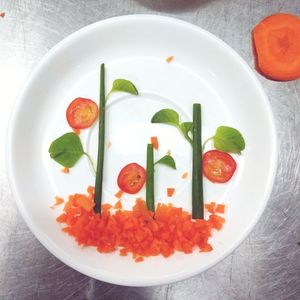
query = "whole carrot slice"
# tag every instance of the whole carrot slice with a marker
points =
(277, 46)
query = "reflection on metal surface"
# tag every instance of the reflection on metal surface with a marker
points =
(265, 266)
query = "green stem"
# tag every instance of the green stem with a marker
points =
(150, 178)
(91, 162)
(209, 139)
(197, 179)
(107, 96)
(101, 140)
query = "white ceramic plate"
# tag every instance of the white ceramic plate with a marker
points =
(204, 70)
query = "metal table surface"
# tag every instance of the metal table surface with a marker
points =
(265, 266)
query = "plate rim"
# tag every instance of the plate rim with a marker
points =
(47, 243)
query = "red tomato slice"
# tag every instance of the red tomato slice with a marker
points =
(82, 113)
(132, 178)
(218, 166)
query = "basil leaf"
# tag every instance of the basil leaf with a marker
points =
(166, 116)
(229, 139)
(123, 85)
(167, 160)
(186, 128)
(66, 150)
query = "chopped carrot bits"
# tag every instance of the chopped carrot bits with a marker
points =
(185, 175)
(211, 207)
(169, 59)
(66, 170)
(141, 232)
(220, 209)
(139, 259)
(170, 192)
(58, 200)
(118, 205)
(154, 142)
(119, 194)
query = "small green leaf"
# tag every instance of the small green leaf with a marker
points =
(123, 85)
(166, 116)
(229, 139)
(67, 149)
(186, 128)
(167, 160)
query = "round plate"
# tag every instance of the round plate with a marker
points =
(204, 70)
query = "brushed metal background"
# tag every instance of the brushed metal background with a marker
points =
(265, 266)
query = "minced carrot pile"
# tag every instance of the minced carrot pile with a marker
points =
(139, 231)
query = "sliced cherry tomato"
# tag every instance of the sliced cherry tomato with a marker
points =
(132, 178)
(218, 166)
(82, 113)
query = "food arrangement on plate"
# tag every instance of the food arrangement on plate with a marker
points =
(151, 171)
(150, 228)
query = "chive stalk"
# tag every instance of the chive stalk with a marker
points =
(197, 179)
(150, 178)
(101, 141)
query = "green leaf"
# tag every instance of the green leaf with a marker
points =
(167, 160)
(123, 85)
(66, 150)
(186, 128)
(166, 116)
(229, 139)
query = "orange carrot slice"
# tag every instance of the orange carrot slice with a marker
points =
(277, 46)
(170, 192)
(154, 142)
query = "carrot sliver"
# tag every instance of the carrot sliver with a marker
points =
(154, 142)
(119, 194)
(170, 192)
(66, 170)
(118, 205)
(276, 41)
(169, 59)
(58, 200)
(185, 175)
(220, 208)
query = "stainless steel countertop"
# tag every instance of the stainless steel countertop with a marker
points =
(267, 263)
